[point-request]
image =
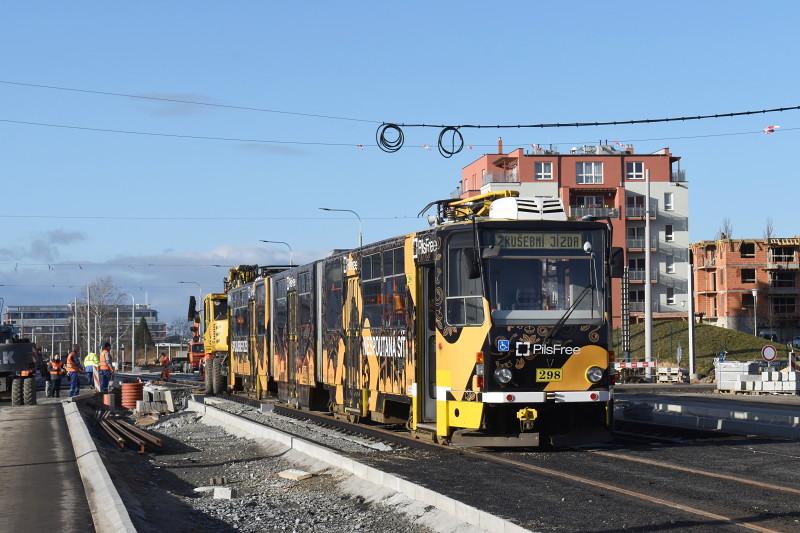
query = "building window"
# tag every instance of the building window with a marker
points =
(748, 275)
(668, 204)
(669, 236)
(782, 278)
(587, 172)
(544, 170)
(783, 305)
(748, 302)
(747, 249)
(670, 268)
(589, 201)
(781, 254)
(634, 170)
(670, 296)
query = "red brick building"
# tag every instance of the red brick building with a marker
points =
(601, 180)
(749, 284)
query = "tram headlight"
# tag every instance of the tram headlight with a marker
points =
(594, 374)
(502, 375)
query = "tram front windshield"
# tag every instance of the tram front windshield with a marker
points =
(535, 277)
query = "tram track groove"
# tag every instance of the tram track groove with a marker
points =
(696, 471)
(395, 437)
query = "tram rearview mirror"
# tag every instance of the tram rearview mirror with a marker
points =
(617, 262)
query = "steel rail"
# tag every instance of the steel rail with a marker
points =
(696, 471)
(409, 440)
(613, 488)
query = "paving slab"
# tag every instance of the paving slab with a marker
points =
(41, 487)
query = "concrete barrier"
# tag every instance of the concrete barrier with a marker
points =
(108, 512)
(721, 415)
(242, 427)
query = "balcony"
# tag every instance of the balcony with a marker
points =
(638, 307)
(782, 262)
(579, 211)
(679, 176)
(638, 276)
(639, 211)
(637, 244)
(501, 177)
(706, 263)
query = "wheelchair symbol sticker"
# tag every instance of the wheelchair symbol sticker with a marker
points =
(502, 345)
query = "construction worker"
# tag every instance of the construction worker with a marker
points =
(74, 369)
(56, 371)
(106, 370)
(90, 363)
(164, 367)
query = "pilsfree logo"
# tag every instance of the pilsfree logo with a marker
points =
(424, 246)
(525, 349)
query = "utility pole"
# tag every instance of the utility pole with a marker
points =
(133, 335)
(692, 374)
(116, 346)
(88, 326)
(648, 305)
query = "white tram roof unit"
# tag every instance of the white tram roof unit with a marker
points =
(529, 208)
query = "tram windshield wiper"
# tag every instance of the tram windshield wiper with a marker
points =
(563, 320)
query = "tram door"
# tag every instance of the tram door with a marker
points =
(352, 356)
(292, 339)
(427, 389)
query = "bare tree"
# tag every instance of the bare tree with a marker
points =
(769, 230)
(725, 229)
(100, 315)
(180, 328)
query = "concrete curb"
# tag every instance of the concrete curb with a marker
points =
(685, 413)
(108, 512)
(251, 430)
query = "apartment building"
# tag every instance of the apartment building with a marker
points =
(603, 180)
(750, 285)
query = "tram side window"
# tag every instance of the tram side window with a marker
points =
(304, 298)
(261, 319)
(464, 302)
(280, 303)
(333, 295)
(394, 289)
(371, 289)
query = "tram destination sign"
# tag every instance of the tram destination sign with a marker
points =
(547, 241)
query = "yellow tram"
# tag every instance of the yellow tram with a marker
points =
(490, 328)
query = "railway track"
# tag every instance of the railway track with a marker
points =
(398, 436)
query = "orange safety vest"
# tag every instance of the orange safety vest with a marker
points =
(71, 365)
(55, 368)
(105, 360)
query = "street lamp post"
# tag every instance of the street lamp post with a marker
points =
(200, 301)
(755, 312)
(133, 332)
(360, 222)
(285, 244)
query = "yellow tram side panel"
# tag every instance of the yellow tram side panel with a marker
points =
(215, 337)
(262, 353)
(454, 365)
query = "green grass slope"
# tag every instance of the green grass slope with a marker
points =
(709, 341)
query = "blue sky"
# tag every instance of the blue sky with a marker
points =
(445, 62)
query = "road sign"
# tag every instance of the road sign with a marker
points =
(769, 353)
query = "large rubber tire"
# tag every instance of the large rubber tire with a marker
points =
(209, 376)
(219, 384)
(16, 392)
(29, 391)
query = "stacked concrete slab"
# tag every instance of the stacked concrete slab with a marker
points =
(754, 377)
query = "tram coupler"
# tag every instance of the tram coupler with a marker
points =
(527, 416)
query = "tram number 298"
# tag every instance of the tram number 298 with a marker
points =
(548, 374)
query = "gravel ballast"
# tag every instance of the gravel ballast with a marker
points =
(159, 488)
